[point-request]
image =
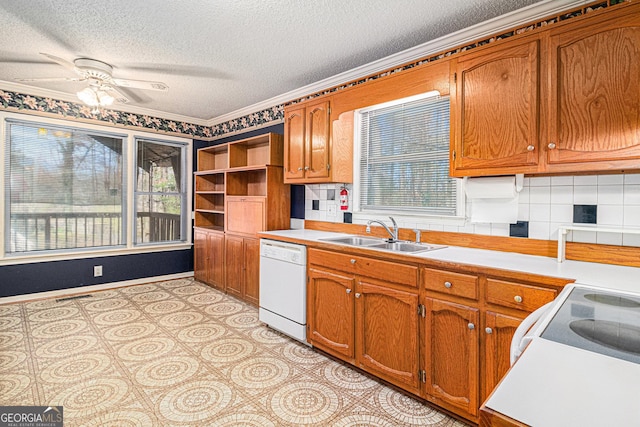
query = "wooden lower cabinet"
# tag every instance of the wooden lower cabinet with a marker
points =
(363, 320)
(209, 263)
(387, 333)
(498, 331)
(330, 312)
(242, 267)
(451, 356)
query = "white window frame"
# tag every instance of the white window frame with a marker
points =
(129, 157)
(404, 218)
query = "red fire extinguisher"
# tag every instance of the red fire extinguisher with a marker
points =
(344, 199)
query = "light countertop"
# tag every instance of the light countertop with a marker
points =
(602, 275)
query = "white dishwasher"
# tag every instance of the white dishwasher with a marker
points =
(283, 287)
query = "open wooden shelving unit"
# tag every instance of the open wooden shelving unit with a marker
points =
(239, 191)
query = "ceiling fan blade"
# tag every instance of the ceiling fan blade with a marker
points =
(119, 96)
(53, 79)
(141, 84)
(66, 64)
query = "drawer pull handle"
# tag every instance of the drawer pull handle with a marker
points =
(471, 326)
(517, 299)
(357, 295)
(488, 330)
(447, 285)
(348, 290)
(353, 261)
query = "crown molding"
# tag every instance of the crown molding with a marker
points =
(501, 23)
(496, 25)
(63, 96)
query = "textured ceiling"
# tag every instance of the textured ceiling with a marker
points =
(218, 56)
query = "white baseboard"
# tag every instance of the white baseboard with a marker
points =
(90, 288)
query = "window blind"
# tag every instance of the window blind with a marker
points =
(404, 158)
(64, 188)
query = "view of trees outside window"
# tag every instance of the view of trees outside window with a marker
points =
(159, 194)
(65, 189)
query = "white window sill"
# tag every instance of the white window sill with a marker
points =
(406, 220)
(93, 253)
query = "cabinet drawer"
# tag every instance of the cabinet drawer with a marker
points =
(385, 271)
(517, 295)
(448, 282)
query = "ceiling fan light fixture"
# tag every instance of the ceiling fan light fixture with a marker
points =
(95, 97)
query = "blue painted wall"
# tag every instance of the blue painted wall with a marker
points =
(20, 279)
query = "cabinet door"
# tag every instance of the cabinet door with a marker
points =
(252, 271)
(496, 111)
(387, 333)
(215, 271)
(594, 101)
(499, 329)
(294, 144)
(234, 265)
(201, 255)
(317, 132)
(451, 352)
(245, 215)
(330, 312)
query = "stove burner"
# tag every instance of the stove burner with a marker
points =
(618, 336)
(617, 301)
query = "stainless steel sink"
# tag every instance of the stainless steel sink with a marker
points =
(354, 240)
(382, 244)
(406, 247)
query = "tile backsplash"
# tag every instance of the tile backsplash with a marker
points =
(545, 203)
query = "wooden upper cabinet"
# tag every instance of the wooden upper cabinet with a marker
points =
(495, 111)
(594, 100)
(317, 137)
(317, 147)
(294, 147)
(306, 140)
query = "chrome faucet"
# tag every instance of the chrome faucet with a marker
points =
(393, 234)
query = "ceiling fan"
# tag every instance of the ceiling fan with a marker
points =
(102, 86)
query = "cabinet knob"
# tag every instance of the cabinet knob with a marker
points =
(353, 261)
(530, 148)
(471, 326)
(357, 295)
(517, 298)
(488, 330)
(348, 290)
(551, 145)
(300, 168)
(447, 285)
(306, 168)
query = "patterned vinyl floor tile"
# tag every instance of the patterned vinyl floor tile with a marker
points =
(179, 353)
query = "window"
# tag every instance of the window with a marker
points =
(160, 194)
(404, 158)
(73, 189)
(64, 189)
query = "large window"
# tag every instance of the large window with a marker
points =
(160, 194)
(66, 189)
(404, 158)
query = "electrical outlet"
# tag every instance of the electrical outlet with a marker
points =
(331, 209)
(97, 271)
